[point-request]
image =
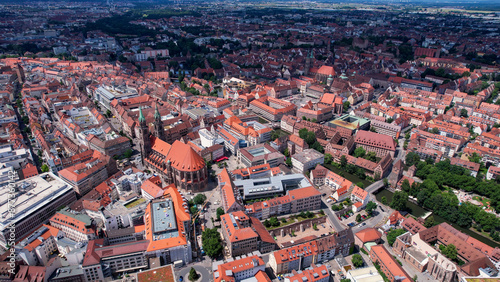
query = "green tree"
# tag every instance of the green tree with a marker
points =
(328, 158)
(405, 186)
(275, 135)
(412, 158)
(464, 113)
(429, 222)
(370, 207)
(212, 243)
(267, 223)
(435, 130)
(346, 106)
(475, 157)
(193, 210)
(386, 182)
(337, 207)
(383, 200)
(359, 152)
(450, 252)
(45, 168)
(128, 153)
(371, 156)
(286, 153)
(399, 200)
(219, 212)
(193, 275)
(288, 162)
(274, 221)
(393, 234)
(199, 199)
(357, 260)
(343, 161)
(358, 217)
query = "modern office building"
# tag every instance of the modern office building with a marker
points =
(260, 154)
(36, 200)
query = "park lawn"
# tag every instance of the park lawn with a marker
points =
(304, 218)
(483, 200)
(135, 203)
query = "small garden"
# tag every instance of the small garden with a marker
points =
(135, 203)
(274, 222)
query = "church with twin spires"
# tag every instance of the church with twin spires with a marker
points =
(175, 163)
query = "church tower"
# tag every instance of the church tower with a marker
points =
(144, 141)
(158, 125)
(308, 64)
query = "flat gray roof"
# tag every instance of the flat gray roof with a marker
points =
(164, 222)
(274, 184)
(307, 156)
(32, 194)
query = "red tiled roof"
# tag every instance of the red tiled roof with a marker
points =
(368, 235)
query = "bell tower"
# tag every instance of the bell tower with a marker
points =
(308, 64)
(158, 125)
(144, 141)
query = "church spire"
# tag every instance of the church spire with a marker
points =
(157, 113)
(158, 125)
(141, 116)
(144, 141)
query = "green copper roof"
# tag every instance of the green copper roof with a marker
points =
(157, 113)
(141, 116)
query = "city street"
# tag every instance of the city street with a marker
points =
(204, 268)
(333, 218)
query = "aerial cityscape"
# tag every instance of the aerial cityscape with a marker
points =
(250, 141)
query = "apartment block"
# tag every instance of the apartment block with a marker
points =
(76, 226)
(244, 234)
(37, 199)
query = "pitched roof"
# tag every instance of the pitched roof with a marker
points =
(390, 263)
(305, 192)
(368, 235)
(375, 139)
(227, 271)
(360, 193)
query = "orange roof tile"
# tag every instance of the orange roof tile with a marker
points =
(369, 235)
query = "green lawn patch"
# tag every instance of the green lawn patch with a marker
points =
(135, 203)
